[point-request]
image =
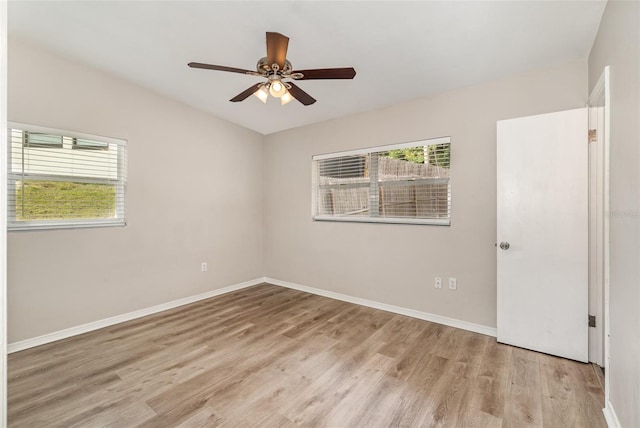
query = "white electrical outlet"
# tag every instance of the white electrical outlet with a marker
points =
(204, 266)
(453, 284)
(438, 283)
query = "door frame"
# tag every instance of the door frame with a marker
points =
(596, 232)
(600, 97)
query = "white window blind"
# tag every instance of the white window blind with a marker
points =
(59, 179)
(402, 183)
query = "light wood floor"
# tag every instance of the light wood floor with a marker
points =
(269, 356)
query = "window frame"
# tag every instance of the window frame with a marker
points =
(375, 219)
(120, 182)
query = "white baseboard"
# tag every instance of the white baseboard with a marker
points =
(610, 416)
(95, 325)
(451, 322)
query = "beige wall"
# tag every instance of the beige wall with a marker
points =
(618, 45)
(396, 264)
(193, 195)
(60, 279)
(64, 278)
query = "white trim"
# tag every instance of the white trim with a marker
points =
(610, 416)
(95, 325)
(601, 94)
(606, 239)
(451, 322)
(21, 226)
(391, 220)
(428, 142)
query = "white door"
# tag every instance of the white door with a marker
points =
(542, 233)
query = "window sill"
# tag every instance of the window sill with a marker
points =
(27, 226)
(389, 220)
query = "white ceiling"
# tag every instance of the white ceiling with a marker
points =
(400, 50)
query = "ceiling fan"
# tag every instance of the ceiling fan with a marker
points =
(275, 67)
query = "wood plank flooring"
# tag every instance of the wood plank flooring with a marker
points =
(268, 356)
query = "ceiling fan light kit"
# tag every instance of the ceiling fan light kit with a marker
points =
(275, 67)
(262, 93)
(277, 88)
(286, 98)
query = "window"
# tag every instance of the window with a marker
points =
(37, 139)
(61, 179)
(401, 183)
(82, 144)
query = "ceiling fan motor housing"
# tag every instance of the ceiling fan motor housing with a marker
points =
(270, 69)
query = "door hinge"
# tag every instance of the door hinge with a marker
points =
(593, 135)
(592, 320)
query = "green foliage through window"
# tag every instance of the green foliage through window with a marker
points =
(60, 200)
(438, 154)
(412, 154)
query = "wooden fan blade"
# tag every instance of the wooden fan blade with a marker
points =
(327, 73)
(277, 45)
(246, 93)
(300, 95)
(218, 67)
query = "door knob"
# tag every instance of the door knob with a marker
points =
(504, 245)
